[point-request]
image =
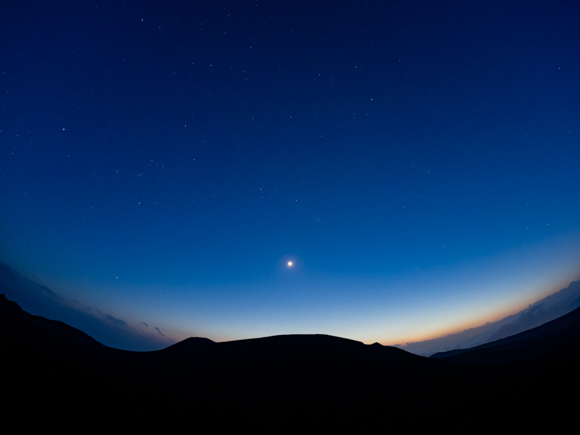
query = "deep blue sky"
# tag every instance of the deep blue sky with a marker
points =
(417, 160)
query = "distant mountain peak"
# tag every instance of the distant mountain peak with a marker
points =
(544, 310)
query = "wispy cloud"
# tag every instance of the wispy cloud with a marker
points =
(538, 313)
(106, 328)
(113, 319)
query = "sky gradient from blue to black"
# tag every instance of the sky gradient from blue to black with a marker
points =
(418, 161)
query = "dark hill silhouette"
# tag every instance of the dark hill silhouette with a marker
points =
(312, 383)
(551, 340)
(29, 331)
(545, 310)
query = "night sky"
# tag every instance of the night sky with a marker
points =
(417, 161)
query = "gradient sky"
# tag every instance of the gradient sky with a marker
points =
(418, 161)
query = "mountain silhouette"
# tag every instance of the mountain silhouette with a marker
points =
(551, 340)
(546, 309)
(312, 383)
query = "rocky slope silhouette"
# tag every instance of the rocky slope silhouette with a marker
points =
(296, 382)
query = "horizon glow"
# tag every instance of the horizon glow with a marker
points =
(375, 173)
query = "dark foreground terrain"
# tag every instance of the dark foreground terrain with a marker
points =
(55, 375)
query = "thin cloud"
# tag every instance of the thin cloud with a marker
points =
(106, 328)
(48, 291)
(113, 319)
